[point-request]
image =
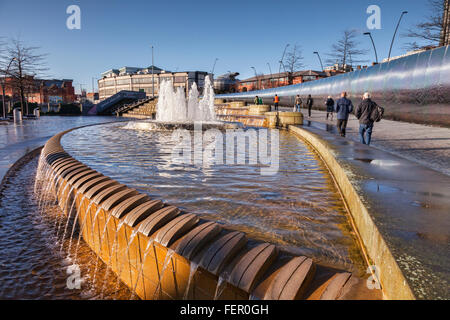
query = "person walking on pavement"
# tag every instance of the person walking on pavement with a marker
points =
(344, 107)
(256, 100)
(330, 107)
(276, 101)
(298, 103)
(364, 114)
(309, 103)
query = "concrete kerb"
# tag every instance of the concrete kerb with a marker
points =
(375, 249)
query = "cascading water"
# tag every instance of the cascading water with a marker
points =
(175, 111)
(173, 107)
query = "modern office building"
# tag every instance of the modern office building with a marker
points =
(146, 80)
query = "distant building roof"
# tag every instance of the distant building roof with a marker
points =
(285, 74)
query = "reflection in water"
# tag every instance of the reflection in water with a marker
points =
(298, 208)
(35, 260)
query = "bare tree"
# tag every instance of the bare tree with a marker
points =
(429, 31)
(24, 64)
(346, 50)
(293, 61)
(3, 73)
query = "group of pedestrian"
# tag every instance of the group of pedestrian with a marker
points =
(258, 101)
(299, 104)
(367, 112)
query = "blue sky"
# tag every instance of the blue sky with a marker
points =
(190, 35)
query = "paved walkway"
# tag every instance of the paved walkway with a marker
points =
(406, 202)
(16, 140)
(429, 146)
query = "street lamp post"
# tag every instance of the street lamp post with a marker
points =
(373, 43)
(320, 60)
(214, 65)
(256, 75)
(270, 70)
(393, 37)
(153, 77)
(281, 62)
(3, 86)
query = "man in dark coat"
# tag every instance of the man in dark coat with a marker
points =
(363, 113)
(343, 109)
(330, 107)
(309, 103)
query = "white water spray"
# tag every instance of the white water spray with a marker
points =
(173, 107)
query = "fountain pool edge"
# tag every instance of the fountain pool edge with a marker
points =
(158, 251)
(394, 284)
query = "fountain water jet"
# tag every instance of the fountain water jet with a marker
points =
(173, 107)
(174, 111)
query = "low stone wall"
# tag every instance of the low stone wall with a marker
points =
(236, 104)
(393, 282)
(160, 252)
(283, 119)
(258, 109)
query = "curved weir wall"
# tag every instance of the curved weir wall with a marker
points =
(414, 88)
(160, 252)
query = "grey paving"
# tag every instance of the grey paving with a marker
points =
(427, 145)
(16, 140)
(410, 205)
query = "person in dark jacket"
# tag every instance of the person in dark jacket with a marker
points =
(363, 112)
(330, 107)
(309, 103)
(343, 109)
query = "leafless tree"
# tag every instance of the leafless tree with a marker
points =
(429, 31)
(2, 75)
(293, 61)
(345, 50)
(21, 63)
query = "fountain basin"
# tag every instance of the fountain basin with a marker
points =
(155, 125)
(165, 253)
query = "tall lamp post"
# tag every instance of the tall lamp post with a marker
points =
(214, 66)
(320, 60)
(270, 70)
(3, 86)
(256, 75)
(153, 76)
(373, 43)
(396, 29)
(281, 62)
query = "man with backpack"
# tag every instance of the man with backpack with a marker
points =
(298, 103)
(330, 107)
(367, 113)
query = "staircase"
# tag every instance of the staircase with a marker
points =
(142, 109)
(115, 102)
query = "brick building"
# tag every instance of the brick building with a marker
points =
(41, 91)
(445, 32)
(281, 79)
